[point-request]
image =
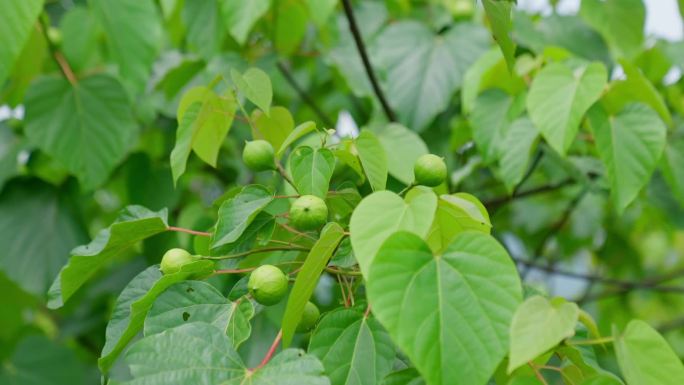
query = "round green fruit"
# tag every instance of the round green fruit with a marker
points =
(308, 212)
(309, 318)
(258, 155)
(174, 259)
(267, 284)
(429, 170)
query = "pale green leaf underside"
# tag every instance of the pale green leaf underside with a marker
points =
(449, 313)
(538, 325)
(515, 151)
(402, 147)
(645, 358)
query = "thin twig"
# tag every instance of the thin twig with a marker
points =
(256, 251)
(495, 203)
(537, 373)
(56, 54)
(304, 95)
(530, 171)
(188, 231)
(351, 273)
(285, 175)
(358, 39)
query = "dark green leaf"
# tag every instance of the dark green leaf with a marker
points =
(237, 213)
(134, 224)
(16, 22)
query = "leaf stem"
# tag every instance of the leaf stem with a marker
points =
(343, 272)
(360, 46)
(537, 373)
(188, 231)
(256, 251)
(285, 175)
(56, 54)
(596, 341)
(271, 351)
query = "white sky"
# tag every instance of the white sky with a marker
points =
(662, 16)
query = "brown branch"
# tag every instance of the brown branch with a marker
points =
(305, 96)
(188, 231)
(349, 12)
(56, 54)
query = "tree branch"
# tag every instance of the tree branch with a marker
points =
(304, 95)
(495, 203)
(349, 12)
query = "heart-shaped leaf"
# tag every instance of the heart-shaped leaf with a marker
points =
(630, 145)
(560, 96)
(353, 348)
(449, 313)
(645, 358)
(455, 214)
(312, 169)
(373, 159)
(382, 213)
(256, 86)
(538, 325)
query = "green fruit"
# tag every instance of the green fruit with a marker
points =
(267, 284)
(309, 318)
(174, 259)
(308, 212)
(429, 170)
(258, 155)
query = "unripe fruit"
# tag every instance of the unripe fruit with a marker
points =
(429, 170)
(267, 284)
(308, 212)
(174, 259)
(258, 155)
(309, 318)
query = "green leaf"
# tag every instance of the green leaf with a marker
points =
(492, 115)
(16, 23)
(275, 128)
(134, 303)
(134, 34)
(560, 96)
(449, 313)
(408, 376)
(10, 147)
(320, 10)
(538, 325)
(27, 66)
(237, 213)
(499, 15)
(241, 15)
(33, 213)
(307, 278)
(353, 348)
(630, 145)
(455, 214)
(382, 213)
(92, 116)
(256, 86)
(311, 170)
(402, 147)
(204, 119)
(198, 353)
(38, 360)
(204, 25)
(621, 22)
(671, 167)
(134, 224)
(516, 150)
(424, 69)
(296, 134)
(80, 32)
(373, 159)
(636, 88)
(290, 25)
(645, 358)
(196, 301)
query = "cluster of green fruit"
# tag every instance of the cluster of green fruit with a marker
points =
(267, 284)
